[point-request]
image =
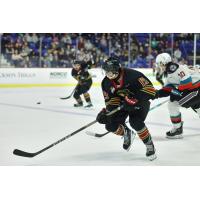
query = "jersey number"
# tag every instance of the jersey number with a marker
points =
(181, 74)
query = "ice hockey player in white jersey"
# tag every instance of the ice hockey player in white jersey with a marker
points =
(183, 86)
(159, 74)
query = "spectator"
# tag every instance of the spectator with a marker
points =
(177, 55)
(17, 59)
(59, 50)
(81, 43)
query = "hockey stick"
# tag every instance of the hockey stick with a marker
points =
(64, 98)
(30, 155)
(158, 105)
(103, 134)
(96, 134)
(188, 97)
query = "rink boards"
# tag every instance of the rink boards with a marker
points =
(50, 77)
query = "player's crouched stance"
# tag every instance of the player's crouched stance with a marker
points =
(132, 90)
(81, 74)
(183, 87)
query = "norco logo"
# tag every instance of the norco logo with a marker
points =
(59, 75)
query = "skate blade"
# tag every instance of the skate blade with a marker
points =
(175, 137)
(90, 133)
(132, 138)
(84, 108)
(152, 157)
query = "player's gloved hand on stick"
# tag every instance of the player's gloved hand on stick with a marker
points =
(161, 93)
(175, 96)
(157, 95)
(129, 103)
(101, 117)
(176, 92)
(82, 78)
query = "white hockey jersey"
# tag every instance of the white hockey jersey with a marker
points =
(181, 77)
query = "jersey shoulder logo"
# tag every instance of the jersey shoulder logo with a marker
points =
(173, 68)
(143, 81)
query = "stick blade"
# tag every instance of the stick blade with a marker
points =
(63, 98)
(18, 152)
(95, 134)
(90, 133)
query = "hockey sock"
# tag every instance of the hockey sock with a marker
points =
(119, 131)
(79, 100)
(176, 120)
(144, 135)
(87, 97)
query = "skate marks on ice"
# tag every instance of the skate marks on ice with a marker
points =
(91, 114)
(162, 136)
(49, 109)
(106, 158)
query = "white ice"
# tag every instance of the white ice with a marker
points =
(29, 126)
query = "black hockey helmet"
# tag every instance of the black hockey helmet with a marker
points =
(77, 62)
(112, 64)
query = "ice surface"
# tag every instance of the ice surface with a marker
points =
(29, 126)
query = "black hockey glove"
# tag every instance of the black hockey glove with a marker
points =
(176, 92)
(82, 78)
(157, 95)
(161, 93)
(175, 95)
(101, 117)
(130, 104)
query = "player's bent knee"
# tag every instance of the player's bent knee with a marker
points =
(111, 127)
(76, 96)
(137, 125)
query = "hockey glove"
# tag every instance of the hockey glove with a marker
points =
(157, 95)
(162, 93)
(176, 92)
(82, 78)
(175, 95)
(130, 103)
(101, 117)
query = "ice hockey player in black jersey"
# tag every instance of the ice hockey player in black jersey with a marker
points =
(183, 86)
(133, 90)
(81, 74)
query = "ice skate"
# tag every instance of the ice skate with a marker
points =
(128, 136)
(89, 105)
(78, 105)
(175, 133)
(150, 153)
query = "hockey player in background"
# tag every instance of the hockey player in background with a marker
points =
(81, 74)
(159, 74)
(183, 87)
(133, 90)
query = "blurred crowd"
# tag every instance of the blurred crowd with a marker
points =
(60, 49)
(179, 45)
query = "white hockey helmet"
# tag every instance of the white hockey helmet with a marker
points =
(163, 59)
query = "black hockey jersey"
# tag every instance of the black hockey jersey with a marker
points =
(82, 75)
(131, 83)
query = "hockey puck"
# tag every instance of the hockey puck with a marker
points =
(39, 102)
